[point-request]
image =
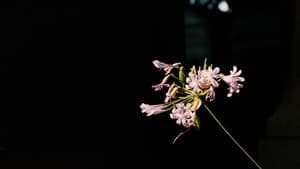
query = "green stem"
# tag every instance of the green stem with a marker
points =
(179, 135)
(231, 137)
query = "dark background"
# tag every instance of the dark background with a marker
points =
(73, 76)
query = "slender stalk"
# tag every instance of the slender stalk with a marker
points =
(232, 138)
(180, 134)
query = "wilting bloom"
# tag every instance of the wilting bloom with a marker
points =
(208, 77)
(152, 109)
(183, 115)
(233, 81)
(165, 66)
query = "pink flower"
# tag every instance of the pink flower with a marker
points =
(162, 84)
(152, 109)
(183, 115)
(159, 86)
(193, 82)
(203, 79)
(233, 81)
(208, 77)
(166, 67)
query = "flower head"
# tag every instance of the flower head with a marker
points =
(186, 94)
(208, 77)
(193, 82)
(202, 79)
(183, 115)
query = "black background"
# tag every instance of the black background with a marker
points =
(76, 73)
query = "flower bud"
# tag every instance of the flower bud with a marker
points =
(196, 104)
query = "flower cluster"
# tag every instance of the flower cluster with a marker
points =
(186, 92)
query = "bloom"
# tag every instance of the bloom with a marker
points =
(186, 94)
(193, 82)
(183, 115)
(166, 67)
(162, 84)
(152, 109)
(208, 77)
(233, 81)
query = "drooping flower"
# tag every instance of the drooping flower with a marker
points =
(183, 115)
(165, 66)
(233, 80)
(153, 109)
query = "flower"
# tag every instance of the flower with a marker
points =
(233, 81)
(193, 82)
(208, 77)
(162, 84)
(159, 86)
(183, 115)
(203, 79)
(152, 109)
(186, 94)
(166, 67)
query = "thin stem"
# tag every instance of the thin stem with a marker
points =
(231, 137)
(180, 134)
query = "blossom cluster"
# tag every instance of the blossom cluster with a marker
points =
(186, 92)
